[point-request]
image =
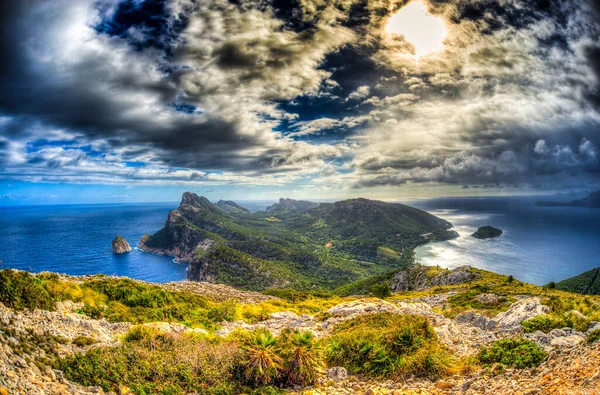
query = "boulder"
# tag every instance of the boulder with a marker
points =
(475, 319)
(524, 309)
(120, 245)
(337, 373)
(417, 277)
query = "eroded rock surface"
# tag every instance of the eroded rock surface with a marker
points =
(416, 278)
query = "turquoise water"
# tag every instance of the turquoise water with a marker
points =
(539, 245)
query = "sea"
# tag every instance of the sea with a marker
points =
(539, 244)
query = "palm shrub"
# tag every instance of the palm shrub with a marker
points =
(261, 361)
(303, 357)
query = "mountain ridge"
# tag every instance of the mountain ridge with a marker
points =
(325, 246)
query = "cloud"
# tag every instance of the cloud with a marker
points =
(267, 92)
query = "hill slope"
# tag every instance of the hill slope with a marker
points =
(592, 201)
(324, 247)
(585, 283)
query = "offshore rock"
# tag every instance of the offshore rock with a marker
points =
(120, 245)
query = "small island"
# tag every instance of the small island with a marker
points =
(120, 245)
(487, 232)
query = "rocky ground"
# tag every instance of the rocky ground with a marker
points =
(573, 367)
(567, 371)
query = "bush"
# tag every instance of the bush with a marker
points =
(159, 364)
(21, 290)
(519, 353)
(83, 341)
(547, 322)
(261, 361)
(381, 290)
(593, 336)
(303, 357)
(387, 345)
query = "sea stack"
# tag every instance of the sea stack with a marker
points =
(487, 232)
(120, 245)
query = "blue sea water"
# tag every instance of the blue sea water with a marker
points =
(76, 239)
(539, 244)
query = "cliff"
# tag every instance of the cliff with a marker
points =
(292, 205)
(231, 207)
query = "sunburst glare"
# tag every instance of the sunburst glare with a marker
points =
(423, 30)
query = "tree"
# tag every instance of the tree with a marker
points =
(381, 290)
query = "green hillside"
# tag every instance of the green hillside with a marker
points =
(585, 283)
(324, 247)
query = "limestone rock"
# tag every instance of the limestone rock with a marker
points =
(475, 319)
(120, 245)
(524, 309)
(337, 373)
(416, 278)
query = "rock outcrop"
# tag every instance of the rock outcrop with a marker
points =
(292, 205)
(231, 207)
(120, 245)
(419, 277)
(487, 232)
(524, 309)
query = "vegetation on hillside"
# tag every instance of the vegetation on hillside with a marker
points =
(387, 345)
(381, 345)
(585, 283)
(324, 247)
(519, 353)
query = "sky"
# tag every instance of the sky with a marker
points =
(140, 100)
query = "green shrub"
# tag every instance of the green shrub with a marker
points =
(593, 336)
(83, 341)
(159, 364)
(387, 345)
(21, 290)
(303, 356)
(381, 290)
(261, 361)
(519, 353)
(547, 322)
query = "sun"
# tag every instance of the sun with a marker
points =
(423, 30)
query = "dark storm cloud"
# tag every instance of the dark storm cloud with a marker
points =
(125, 92)
(191, 88)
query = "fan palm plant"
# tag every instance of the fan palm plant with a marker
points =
(261, 362)
(303, 356)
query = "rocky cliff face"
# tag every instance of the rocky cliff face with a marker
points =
(231, 207)
(120, 245)
(419, 277)
(292, 205)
